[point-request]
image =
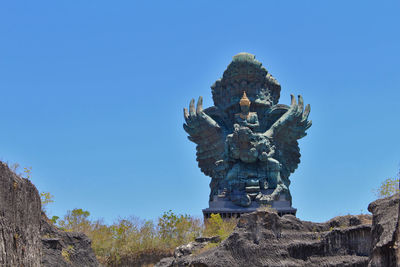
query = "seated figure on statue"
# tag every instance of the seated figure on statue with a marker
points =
(245, 117)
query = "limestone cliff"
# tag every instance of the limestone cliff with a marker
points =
(26, 237)
(20, 243)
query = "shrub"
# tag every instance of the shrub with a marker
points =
(28, 172)
(216, 226)
(76, 221)
(175, 230)
(46, 198)
(388, 188)
(128, 239)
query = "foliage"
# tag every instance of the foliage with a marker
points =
(76, 221)
(28, 172)
(175, 229)
(215, 225)
(102, 241)
(128, 238)
(388, 188)
(54, 219)
(46, 198)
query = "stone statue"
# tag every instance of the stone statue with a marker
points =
(247, 142)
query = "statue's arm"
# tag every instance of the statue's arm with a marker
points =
(197, 119)
(198, 124)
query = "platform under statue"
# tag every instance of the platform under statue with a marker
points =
(247, 142)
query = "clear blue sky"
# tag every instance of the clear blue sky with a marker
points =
(92, 92)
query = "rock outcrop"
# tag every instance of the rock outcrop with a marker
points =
(60, 248)
(385, 232)
(263, 238)
(26, 236)
(20, 243)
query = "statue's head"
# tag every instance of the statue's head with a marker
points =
(244, 103)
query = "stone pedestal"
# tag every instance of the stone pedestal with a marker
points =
(227, 209)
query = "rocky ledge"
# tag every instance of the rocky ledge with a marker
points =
(263, 238)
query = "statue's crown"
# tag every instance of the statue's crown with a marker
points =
(245, 73)
(244, 101)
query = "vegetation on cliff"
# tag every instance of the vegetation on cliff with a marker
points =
(131, 239)
(388, 188)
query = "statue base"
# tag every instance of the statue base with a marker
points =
(227, 209)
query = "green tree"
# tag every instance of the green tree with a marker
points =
(102, 240)
(388, 188)
(76, 221)
(177, 229)
(215, 225)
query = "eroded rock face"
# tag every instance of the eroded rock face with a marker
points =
(265, 239)
(19, 220)
(60, 248)
(27, 238)
(385, 232)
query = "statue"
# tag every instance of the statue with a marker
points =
(247, 142)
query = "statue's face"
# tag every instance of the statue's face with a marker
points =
(244, 108)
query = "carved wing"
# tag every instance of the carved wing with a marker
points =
(207, 134)
(285, 132)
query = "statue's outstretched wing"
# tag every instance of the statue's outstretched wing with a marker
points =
(207, 134)
(285, 132)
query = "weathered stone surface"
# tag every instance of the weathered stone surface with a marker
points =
(213, 239)
(20, 243)
(247, 142)
(265, 239)
(60, 248)
(193, 246)
(165, 262)
(26, 238)
(385, 232)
